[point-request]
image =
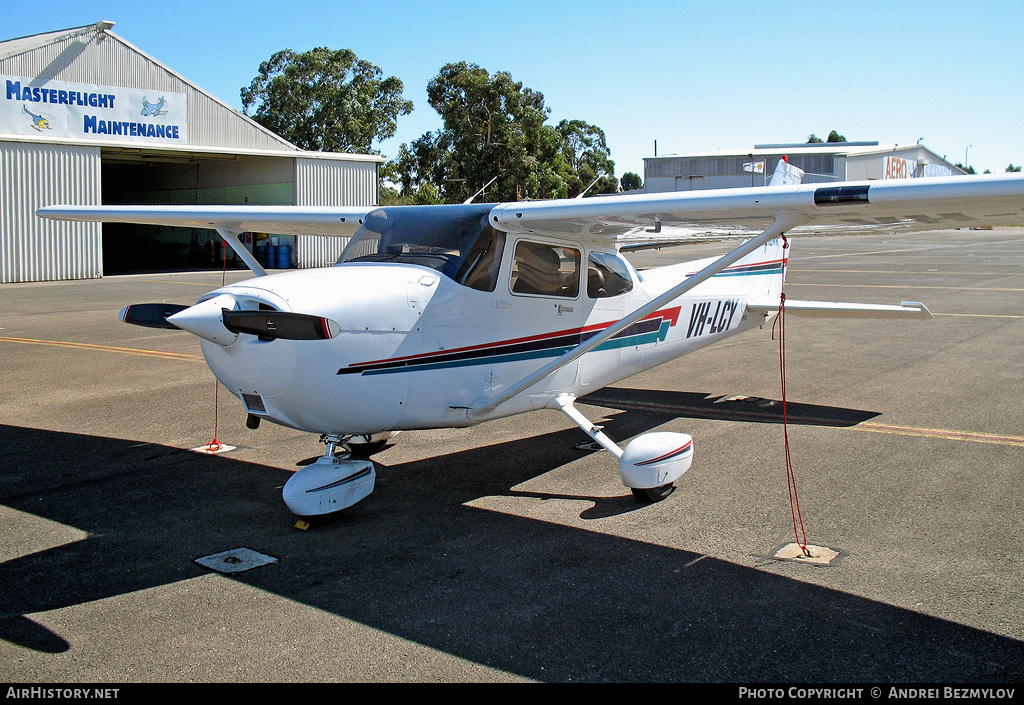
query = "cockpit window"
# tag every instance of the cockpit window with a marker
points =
(454, 240)
(479, 269)
(607, 276)
(546, 270)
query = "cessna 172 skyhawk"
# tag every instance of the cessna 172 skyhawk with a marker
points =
(448, 316)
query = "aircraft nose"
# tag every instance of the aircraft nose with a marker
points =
(206, 319)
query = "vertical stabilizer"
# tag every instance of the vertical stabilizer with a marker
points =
(786, 174)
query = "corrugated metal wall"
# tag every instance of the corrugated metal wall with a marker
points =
(684, 173)
(35, 175)
(323, 182)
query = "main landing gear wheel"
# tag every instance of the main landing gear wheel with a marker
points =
(653, 494)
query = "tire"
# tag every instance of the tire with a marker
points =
(653, 494)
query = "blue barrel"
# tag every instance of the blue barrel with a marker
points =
(284, 257)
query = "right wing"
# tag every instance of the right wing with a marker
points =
(280, 220)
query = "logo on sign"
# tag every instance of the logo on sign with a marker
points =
(899, 168)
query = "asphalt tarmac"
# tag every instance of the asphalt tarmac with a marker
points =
(508, 552)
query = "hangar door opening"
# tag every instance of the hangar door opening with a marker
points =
(137, 177)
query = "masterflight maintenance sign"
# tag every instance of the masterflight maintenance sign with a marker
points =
(85, 111)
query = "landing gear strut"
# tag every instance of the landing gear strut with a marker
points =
(650, 463)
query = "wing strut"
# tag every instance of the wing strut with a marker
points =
(784, 221)
(231, 238)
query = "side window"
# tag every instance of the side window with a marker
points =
(546, 270)
(607, 276)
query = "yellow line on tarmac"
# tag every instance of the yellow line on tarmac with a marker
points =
(978, 315)
(948, 434)
(103, 348)
(903, 286)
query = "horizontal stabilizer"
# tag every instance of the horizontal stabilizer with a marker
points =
(833, 309)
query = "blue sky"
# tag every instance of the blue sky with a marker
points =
(691, 76)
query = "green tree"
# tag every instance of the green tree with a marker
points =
(495, 128)
(631, 181)
(416, 164)
(586, 153)
(835, 137)
(492, 127)
(814, 139)
(325, 100)
(1012, 168)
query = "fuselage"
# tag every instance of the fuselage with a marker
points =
(420, 344)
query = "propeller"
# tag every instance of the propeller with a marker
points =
(150, 315)
(269, 325)
(217, 320)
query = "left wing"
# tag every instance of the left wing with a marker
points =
(938, 203)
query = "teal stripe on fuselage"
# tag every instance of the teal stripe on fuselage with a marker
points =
(776, 270)
(641, 339)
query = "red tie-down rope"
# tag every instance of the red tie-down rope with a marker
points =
(794, 499)
(215, 445)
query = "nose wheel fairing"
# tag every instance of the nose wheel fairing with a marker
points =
(334, 482)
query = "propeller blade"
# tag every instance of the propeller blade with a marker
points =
(281, 324)
(150, 315)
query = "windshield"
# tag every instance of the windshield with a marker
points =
(454, 240)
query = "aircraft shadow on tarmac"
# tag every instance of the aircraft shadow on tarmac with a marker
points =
(700, 405)
(544, 601)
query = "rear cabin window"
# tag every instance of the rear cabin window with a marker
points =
(546, 270)
(607, 276)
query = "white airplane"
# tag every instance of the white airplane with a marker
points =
(449, 316)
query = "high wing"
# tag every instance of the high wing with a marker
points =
(896, 205)
(229, 221)
(280, 220)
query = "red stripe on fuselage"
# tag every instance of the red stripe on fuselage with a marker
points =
(669, 314)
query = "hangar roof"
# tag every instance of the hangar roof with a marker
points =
(92, 55)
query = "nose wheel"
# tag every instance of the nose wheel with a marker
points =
(653, 494)
(334, 482)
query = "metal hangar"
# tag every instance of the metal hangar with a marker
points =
(820, 162)
(87, 118)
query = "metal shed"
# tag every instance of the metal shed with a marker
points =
(87, 118)
(820, 162)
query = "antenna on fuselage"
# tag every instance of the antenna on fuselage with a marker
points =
(582, 193)
(470, 199)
